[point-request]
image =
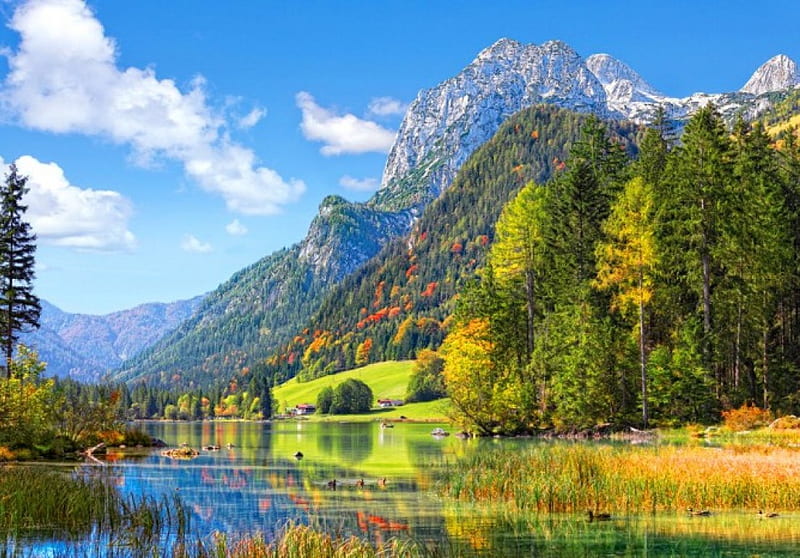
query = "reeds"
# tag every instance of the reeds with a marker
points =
(576, 478)
(301, 541)
(39, 503)
(35, 498)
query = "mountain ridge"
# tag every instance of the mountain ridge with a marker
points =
(261, 307)
(87, 346)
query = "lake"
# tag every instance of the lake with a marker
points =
(258, 485)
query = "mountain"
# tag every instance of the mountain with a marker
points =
(621, 84)
(86, 347)
(262, 307)
(776, 74)
(445, 124)
(399, 301)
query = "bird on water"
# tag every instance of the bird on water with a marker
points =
(698, 513)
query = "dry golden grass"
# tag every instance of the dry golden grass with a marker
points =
(574, 478)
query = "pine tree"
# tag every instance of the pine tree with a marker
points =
(693, 212)
(756, 250)
(19, 307)
(654, 150)
(581, 201)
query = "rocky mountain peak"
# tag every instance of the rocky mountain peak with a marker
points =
(502, 48)
(446, 123)
(779, 72)
(617, 77)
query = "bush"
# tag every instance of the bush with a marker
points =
(789, 422)
(6, 454)
(137, 437)
(746, 417)
(351, 396)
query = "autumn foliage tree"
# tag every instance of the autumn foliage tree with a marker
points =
(626, 260)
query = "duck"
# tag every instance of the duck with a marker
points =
(298, 455)
(698, 513)
(332, 484)
(769, 515)
(360, 483)
(382, 481)
(598, 516)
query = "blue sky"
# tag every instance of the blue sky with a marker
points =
(170, 144)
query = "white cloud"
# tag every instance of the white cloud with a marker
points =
(359, 184)
(251, 118)
(64, 78)
(235, 228)
(191, 243)
(341, 133)
(386, 106)
(66, 215)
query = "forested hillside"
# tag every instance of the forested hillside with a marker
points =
(784, 115)
(665, 289)
(259, 308)
(400, 301)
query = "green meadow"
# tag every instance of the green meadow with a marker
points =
(387, 380)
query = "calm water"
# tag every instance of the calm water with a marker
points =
(258, 486)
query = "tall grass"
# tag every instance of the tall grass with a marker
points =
(39, 503)
(576, 478)
(300, 541)
(39, 499)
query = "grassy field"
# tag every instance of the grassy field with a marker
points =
(387, 380)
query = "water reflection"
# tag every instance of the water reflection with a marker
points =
(350, 445)
(256, 484)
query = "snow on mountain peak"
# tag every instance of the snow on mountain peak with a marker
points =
(502, 48)
(446, 123)
(779, 72)
(621, 83)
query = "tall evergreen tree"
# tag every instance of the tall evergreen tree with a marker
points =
(19, 307)
(700, 174)
(654, 150)
(756, 247)
(581, 202)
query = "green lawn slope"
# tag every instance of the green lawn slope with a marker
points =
(387, 380)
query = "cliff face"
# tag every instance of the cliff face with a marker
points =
(778, 73)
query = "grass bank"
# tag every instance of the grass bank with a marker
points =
(300, 541)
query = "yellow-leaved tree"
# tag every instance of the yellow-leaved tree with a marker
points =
(485, 396)
(626, 260)
(26, 401)
(519, 246)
